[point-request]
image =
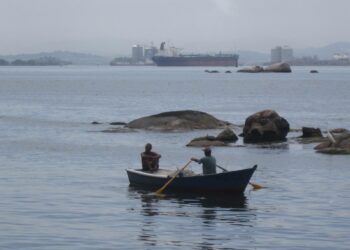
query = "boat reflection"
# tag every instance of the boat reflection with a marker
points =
(207, 211)
(237, 201)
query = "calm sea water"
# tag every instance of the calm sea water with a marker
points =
(63, 182)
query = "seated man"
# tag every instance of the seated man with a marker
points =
(208, 162)
(150, 160)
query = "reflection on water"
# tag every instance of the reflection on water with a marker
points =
(209, 211)
(234, 202)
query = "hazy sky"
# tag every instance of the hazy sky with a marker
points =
(110, 27)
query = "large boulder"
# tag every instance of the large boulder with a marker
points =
(278, 68)
(265, 126)
(223, 139)
(338, 143)
(178, 120)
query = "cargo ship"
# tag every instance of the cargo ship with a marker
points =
(170, 57)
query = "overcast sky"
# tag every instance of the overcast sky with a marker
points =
(110, 27)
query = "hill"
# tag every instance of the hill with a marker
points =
(66, 56)
(325, 52)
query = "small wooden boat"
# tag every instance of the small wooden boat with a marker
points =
(225, 182)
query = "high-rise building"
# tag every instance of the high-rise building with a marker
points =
(137, 53)
(276, 54)
(281, 54)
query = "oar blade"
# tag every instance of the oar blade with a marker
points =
(256, 186)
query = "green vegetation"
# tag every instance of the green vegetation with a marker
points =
(42, 61)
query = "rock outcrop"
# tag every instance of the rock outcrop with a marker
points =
(338, 143)
(278, 68)
(274, 68)
(178, 120)
(265, 126)
(252, 69)
(223, 139)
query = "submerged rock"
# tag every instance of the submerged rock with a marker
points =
(178, 120)
(211, 71)
(205, 142)
(119, 130)
(265, 126)
(118, 123)
(95, 123)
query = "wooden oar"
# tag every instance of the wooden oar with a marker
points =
(254, 185)
(159, 191)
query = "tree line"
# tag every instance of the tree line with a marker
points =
(42, 61)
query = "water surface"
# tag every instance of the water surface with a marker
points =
(63, 182)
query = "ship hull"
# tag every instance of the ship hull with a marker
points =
(225, 61)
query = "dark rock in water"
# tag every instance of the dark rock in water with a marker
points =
(311, 132)
(211, 71)
(95, 123)
(265, 126)
(252, 69)
(313, 71)
(118, 123)
(178, 120)
(223, 139)
(338, 143)
(227, 136)
(311, 135)
(228, 71)
(278, 68)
